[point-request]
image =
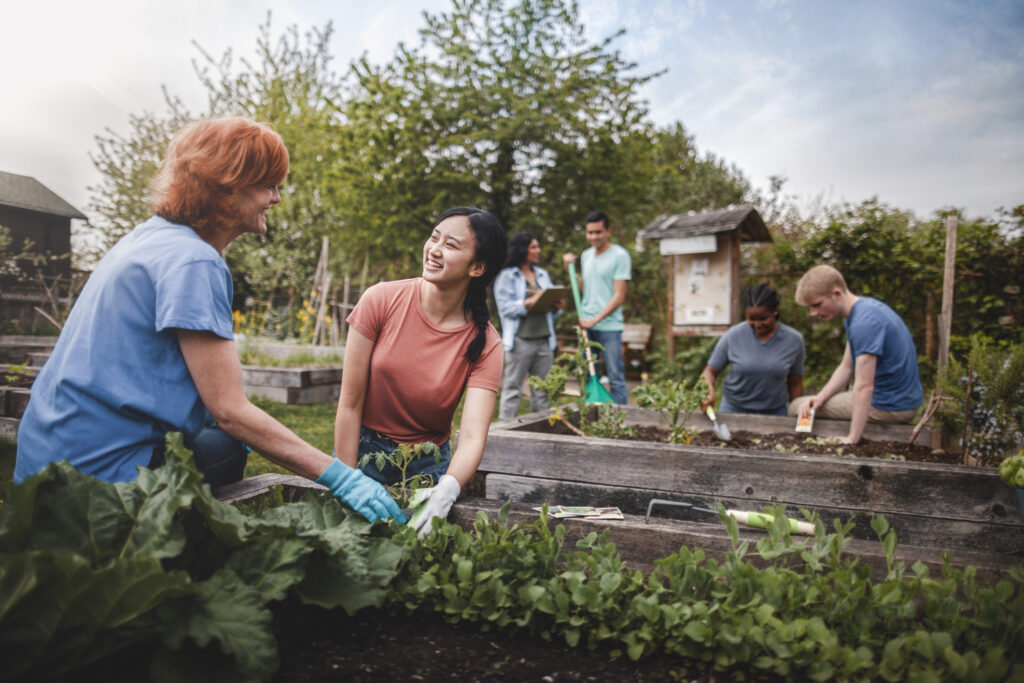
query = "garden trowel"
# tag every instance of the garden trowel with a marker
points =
(594, 391)
(721, 430)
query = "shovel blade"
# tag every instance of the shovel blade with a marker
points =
(596, 393)
(722, 432)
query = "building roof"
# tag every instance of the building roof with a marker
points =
(25, 192)
(745, 218)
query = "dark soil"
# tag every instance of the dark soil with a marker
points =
(374, 645)
(802, 443)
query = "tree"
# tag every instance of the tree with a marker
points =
(126, 164)
(502, 104)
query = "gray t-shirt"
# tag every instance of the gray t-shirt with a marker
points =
(757, 380)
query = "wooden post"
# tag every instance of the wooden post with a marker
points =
(670, 334)
(946, 316)
(948, 277)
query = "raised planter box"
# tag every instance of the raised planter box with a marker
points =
(932, 507)
(293, 385)
(18, 349)
(640, 542)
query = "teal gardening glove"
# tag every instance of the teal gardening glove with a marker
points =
(360, 492)
(434, 502)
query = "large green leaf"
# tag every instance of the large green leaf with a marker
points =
(58, 613)
(232, 615)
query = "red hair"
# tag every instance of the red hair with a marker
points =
(207, 162)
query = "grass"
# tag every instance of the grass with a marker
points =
(313, 423)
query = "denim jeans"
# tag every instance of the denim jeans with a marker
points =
(614, 365)
(219, 457)
(726, 407)
(374, 442)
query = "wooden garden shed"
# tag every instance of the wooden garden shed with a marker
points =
(702, 256)
(36, 216)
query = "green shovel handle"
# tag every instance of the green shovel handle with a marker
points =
(575, 288)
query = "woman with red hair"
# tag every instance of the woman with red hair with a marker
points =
(148, 347)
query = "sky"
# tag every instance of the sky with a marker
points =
(919, 103)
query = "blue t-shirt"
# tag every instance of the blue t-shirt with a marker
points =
(117, 381)
(599, 274)
(757, 378)
(874, 328)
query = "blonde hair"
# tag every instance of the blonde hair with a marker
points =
(819, 281)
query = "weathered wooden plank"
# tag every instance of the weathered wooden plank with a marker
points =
(758, 424)
(15, 400)
(324, 393)
(290, 377)
(256, 375)
(914, 529)
(254, 487)
(20, 353)
(39, 358)
(9, 429)
(329, 375)
(872, 485)
(27, 339)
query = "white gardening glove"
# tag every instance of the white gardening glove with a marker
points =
(434, 502)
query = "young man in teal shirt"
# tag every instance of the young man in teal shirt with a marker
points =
(605, 268)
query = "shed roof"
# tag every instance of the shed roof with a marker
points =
(745, 218)
(25, 192)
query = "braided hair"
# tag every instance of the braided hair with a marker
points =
(491, 247)
(761, 295)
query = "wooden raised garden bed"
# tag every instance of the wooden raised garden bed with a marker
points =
(293, 385)
(639, 540)
(932, 507)
(19, 349)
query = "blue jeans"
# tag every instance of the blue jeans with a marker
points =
(614, 365)
(726, 407)
(374, 442)
(218, 456)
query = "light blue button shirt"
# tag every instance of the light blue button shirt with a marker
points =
(510, 293)
(117, 381)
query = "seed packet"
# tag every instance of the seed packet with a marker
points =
(805, 423)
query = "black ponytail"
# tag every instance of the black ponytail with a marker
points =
(491, 247)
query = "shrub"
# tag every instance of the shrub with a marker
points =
(984, 401)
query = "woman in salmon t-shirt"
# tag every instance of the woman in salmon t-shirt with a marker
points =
(415, 347)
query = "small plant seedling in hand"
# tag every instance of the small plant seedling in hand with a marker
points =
(405, 489)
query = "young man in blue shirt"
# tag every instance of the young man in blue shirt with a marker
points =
(604, 270)
(880, 357)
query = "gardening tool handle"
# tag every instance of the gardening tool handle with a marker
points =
(576, 300)
(588, 352)
(763, 521)
(575, 287)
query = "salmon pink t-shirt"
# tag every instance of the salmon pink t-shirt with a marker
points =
(418, 371)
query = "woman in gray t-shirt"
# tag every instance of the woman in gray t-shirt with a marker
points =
(767, 359)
